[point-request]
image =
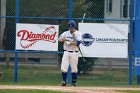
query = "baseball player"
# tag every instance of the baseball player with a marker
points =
(72, 39)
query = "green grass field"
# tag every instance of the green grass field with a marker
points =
(47, 91)
(37, 75)
(129, 91)
(28, 91)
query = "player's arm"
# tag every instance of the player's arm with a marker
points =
(77, 40)
(73, 43)
(62, 37)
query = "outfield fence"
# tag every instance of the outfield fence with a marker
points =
(43, 67)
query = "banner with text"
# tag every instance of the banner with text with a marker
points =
(104, 40)
(36, 37)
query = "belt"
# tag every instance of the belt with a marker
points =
(71, 51)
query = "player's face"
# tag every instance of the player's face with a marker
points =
(72, 29)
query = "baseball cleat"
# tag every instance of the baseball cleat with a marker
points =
(63, 83)
(74, 84)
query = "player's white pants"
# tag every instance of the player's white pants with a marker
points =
(70, 58)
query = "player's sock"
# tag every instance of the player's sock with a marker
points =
(74, 77)
(64, 76)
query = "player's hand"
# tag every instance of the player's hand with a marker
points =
(63, 39)
(67, 39)
(67, 42)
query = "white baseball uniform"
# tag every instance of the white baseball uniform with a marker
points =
(71, 55)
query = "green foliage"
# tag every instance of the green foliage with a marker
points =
(36, 8)
(49, 8)
(87, 66)
(96, 8)
(79, 8)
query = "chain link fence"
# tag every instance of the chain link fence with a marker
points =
(39, 67)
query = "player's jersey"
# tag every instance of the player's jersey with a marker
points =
(71, 37)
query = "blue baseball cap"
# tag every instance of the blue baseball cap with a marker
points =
(71, 24)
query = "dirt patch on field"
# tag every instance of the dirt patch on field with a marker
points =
(70, 89)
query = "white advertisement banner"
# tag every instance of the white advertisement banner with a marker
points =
(36, 37)
(104, 40)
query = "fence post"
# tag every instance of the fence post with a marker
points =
(70, 16)
(16, 52)
(137, 41)
(2, 22)
(130, 42)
